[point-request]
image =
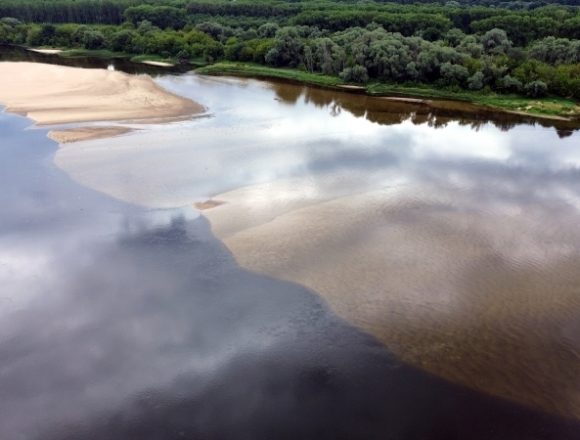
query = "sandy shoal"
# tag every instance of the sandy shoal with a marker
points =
(52, 94)
(460, 293)
(45, 51)
(157, 63)
(86, 133)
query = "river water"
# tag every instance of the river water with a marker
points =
(377, 270)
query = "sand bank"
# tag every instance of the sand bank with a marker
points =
(86, 133)
(157, 63)
(460, 293)
(46, 51)
(51, 94)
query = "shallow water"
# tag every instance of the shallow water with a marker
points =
(123, 316)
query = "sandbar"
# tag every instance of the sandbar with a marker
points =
(77, 134)
(45, 51)
(157, 63)
(51, 94)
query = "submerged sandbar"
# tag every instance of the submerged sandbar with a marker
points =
(459, 288)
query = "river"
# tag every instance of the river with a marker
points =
(372, 269)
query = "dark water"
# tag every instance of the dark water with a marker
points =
(15, 53)
(121, 322)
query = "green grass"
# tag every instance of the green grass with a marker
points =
(101, 53)
(552, 106)
(258, 71)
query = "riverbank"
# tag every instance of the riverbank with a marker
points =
(51, 94)
(152, 60)
(105, 54)
(549, 108)
(554, 108)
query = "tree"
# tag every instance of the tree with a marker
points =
(454, 74)
(268, 30)
(470, 46)
(475, 82)
(160, 16)
(329, 57)
(454, 37)
(536, 89)
(183, 57)
(122, 40)
(93, 39)
(496, 42)
(510, 84)
(356, 74)
(287, 50)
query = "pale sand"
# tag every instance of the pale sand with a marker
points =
(86, 133)
(157, 63)
(406, 99)
(208, 204)
(461, 293)
(46, 51)
(51, 94)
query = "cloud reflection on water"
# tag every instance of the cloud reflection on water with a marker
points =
(139, 323)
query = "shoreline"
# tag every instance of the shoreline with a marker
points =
(554, 109)
(150, 60)
(508, 104)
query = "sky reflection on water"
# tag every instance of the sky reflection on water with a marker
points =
(124, 321)
(175, 164)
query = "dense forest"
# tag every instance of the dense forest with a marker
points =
(524, 47)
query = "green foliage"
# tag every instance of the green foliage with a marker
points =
(355, 74)
(257, 71)
(160, 16)
(475, 82)
(536, 89)
(495, 46)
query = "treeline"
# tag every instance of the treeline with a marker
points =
(334, 15)
(67, 11)
(527, 51)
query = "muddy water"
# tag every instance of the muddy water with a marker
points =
(453, 243)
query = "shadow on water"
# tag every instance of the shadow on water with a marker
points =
(15, 53)
(119, 323)
(435, 113)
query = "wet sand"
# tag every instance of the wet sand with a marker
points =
(86, 133)
(50, 94)
(478, 295)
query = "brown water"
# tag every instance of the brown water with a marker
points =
(449, 237)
